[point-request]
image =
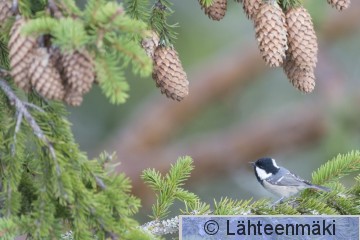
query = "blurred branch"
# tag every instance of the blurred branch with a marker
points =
(159, 117)
(228, 149)
(342, 24)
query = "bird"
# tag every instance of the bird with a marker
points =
(279, 180)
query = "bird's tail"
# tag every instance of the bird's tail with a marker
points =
(321, 188)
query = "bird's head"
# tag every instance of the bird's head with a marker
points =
(265, 167)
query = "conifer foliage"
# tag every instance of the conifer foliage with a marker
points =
(49, 189)
(77, 46)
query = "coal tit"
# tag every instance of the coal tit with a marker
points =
(279, 180)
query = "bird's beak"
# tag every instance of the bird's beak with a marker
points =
(252, 164)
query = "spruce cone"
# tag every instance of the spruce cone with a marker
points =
(78, 70)
(5, 11)
(251, 8)
(217, 10)
(301, 77)
(20, 54)
(73, 98)
(169, 74)
(301, 37)
(149, 43)
(339, 4)
(45, 78)
(270, 30)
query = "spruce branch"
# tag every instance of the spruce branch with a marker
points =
(22, 112)
(137, 9)
(158, 21)
(336, 168)
(168, 187)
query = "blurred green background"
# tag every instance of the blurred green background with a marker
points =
(320, 125)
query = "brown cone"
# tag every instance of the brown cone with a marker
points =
(270, 30)
(217, 10)
(45, 78)
(150, 42)
(78, 70)
(73, 98)
(302, 40)
(251, 8)
(20, 54)
(339, 4)
(5, 11)
(301, 77)
(169, 74)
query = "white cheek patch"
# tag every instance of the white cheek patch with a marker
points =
(262, 173)
(274, 163)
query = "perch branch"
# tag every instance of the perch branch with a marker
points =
(163, 227)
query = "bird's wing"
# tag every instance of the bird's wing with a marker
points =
(287, 178)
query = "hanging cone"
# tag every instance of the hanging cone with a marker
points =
(301, 77)
(302, 40)
(73, 98)
(270, 28)
(251, 8)
(339, 4)
(20, 54)
(217, 10)
(78, 70)
(169, 74)
(5, 11)
(44, 76)
(150, 42)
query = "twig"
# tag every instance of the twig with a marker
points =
(19, 117)
(54, 9)
(22, 111)
(30, 105)
(4, 73)
(100, 183)
(112, 235)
